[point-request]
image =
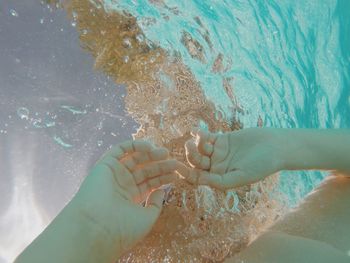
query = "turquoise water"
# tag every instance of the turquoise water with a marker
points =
(286, 61)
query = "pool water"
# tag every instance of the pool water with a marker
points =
(286, 62)
(232, 64)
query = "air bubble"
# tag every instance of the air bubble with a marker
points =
(126, 59)
(231, 202)
(50, 124)
(127, 43)
(13, 13)
(23, 113)
(75, 15)
(37, 123)
(73, 110)
(59, 140)
(140, 38)
(99, 143)
(152, 59)
(74, 24)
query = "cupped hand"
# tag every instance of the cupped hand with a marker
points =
(232, 159)
(112, 193)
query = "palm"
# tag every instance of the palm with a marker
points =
(117, 184)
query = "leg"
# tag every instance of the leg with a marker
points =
(323, 216)
(318, 231)
(278, 247)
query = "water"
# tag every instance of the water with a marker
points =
(267, 63)
(287, 62)
(52, 105)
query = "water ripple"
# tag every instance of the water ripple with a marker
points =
(289, 60)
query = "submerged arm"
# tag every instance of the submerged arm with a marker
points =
(72, 237)
(106, 216)
(311, 149)
(246, 156)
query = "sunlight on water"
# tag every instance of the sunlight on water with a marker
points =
(23, 220)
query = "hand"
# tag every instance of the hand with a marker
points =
(232, 159)
(111, 194)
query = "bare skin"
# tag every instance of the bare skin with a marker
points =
(318, 231)
(105, 218)
(225, 160)
(243, 157)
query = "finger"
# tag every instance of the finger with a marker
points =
(154, 169)
(161, 180)
(209, 136)
(226, 181)
(147, 186)
(128, 147)
(141, 158)
(229, 180)
(154, 204)
(195, 158)
(194, 131)
(205, 144)
(212, 137)
(158, 154)
(191, 175)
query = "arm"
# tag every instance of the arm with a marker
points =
(73, 237)
(307, 149)
(243, 157)
(105, 218)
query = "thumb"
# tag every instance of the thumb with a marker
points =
(154, 203)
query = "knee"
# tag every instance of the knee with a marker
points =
(275, 247)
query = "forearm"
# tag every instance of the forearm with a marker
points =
(72, 237)
(306, 149)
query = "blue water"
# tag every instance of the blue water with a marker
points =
(287, 60)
